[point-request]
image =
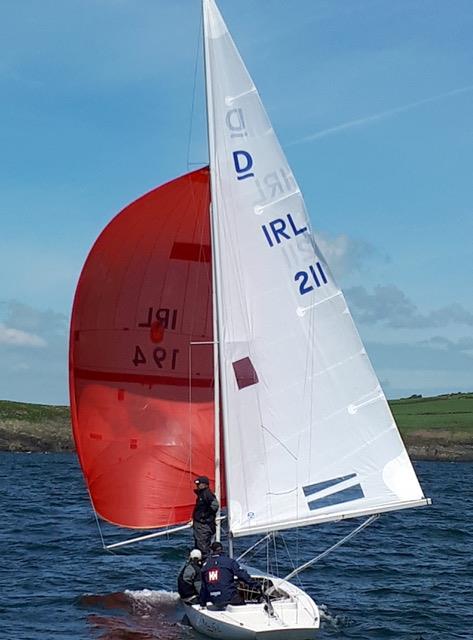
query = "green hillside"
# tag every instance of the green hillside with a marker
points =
(453, 412)
(34, 427)
(439, 428)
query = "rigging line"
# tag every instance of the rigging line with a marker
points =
(97, 521)
(149, 536)
(275, 548)
(291, 561)
(267, 560)
(253, 546)
(352, 534)
(190, 411)
(191, 119)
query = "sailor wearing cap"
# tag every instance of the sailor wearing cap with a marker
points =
(189, 580)
(203, 517)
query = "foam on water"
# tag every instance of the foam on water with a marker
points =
(145, 601)
(159, 596)
(328, 619)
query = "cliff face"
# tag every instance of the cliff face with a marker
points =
(440, 445)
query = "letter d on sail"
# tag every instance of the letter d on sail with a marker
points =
(243, 162)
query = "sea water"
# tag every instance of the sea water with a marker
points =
(407, 577)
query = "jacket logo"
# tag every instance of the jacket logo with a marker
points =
(213, 575)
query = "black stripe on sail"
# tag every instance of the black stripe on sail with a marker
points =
(319, 486)
(339, 497)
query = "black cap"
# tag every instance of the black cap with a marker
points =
(202, 479)
(216, 547)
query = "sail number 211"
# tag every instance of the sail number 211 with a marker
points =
(314, 275)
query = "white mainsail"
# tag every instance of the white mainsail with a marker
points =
(308, 434)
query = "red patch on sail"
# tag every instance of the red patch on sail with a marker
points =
(191, 252)
(156, 332)
(245, 373)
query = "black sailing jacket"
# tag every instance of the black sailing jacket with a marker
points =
(206, 507)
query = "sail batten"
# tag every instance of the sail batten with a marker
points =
(302, 405)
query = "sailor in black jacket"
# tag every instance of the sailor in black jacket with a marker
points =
(219, 575)
(203, 517)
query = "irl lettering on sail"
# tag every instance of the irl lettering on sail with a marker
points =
(278, 230)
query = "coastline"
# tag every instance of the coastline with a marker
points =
(430, 445)
(417, 452)
(434, 450)
(434, 429)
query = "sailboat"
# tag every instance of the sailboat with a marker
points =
(208, 337)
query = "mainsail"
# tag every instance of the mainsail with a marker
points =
(308, 433)
(141, 358)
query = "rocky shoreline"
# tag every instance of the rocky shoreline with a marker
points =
(55, 436)
(439, 444)
(446, 434)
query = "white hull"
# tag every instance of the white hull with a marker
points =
(296, 617)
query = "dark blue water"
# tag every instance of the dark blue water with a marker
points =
(407, 577)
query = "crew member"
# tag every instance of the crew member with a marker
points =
(189, 580)
(203, 517)
(219, 575)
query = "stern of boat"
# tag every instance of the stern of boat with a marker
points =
(288, 614)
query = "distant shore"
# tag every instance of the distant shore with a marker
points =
(438, 428)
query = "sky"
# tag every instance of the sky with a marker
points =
(372, 100)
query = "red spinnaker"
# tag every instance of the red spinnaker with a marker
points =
(141, 394)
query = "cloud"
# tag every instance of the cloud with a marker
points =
(430, 367)
(20, 338)
(383, 115)
(33, 352)
(464, 344)
(25, 318)
(345, 255)
(421, 356)
(390, 306)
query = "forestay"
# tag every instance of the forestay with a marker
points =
(308, 433)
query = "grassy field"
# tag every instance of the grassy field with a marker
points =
(34, 427)
(34, 413)
(439, 427)
(453, 412)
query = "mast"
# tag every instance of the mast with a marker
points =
(214, 248)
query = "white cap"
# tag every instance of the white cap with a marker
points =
(196, 554)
